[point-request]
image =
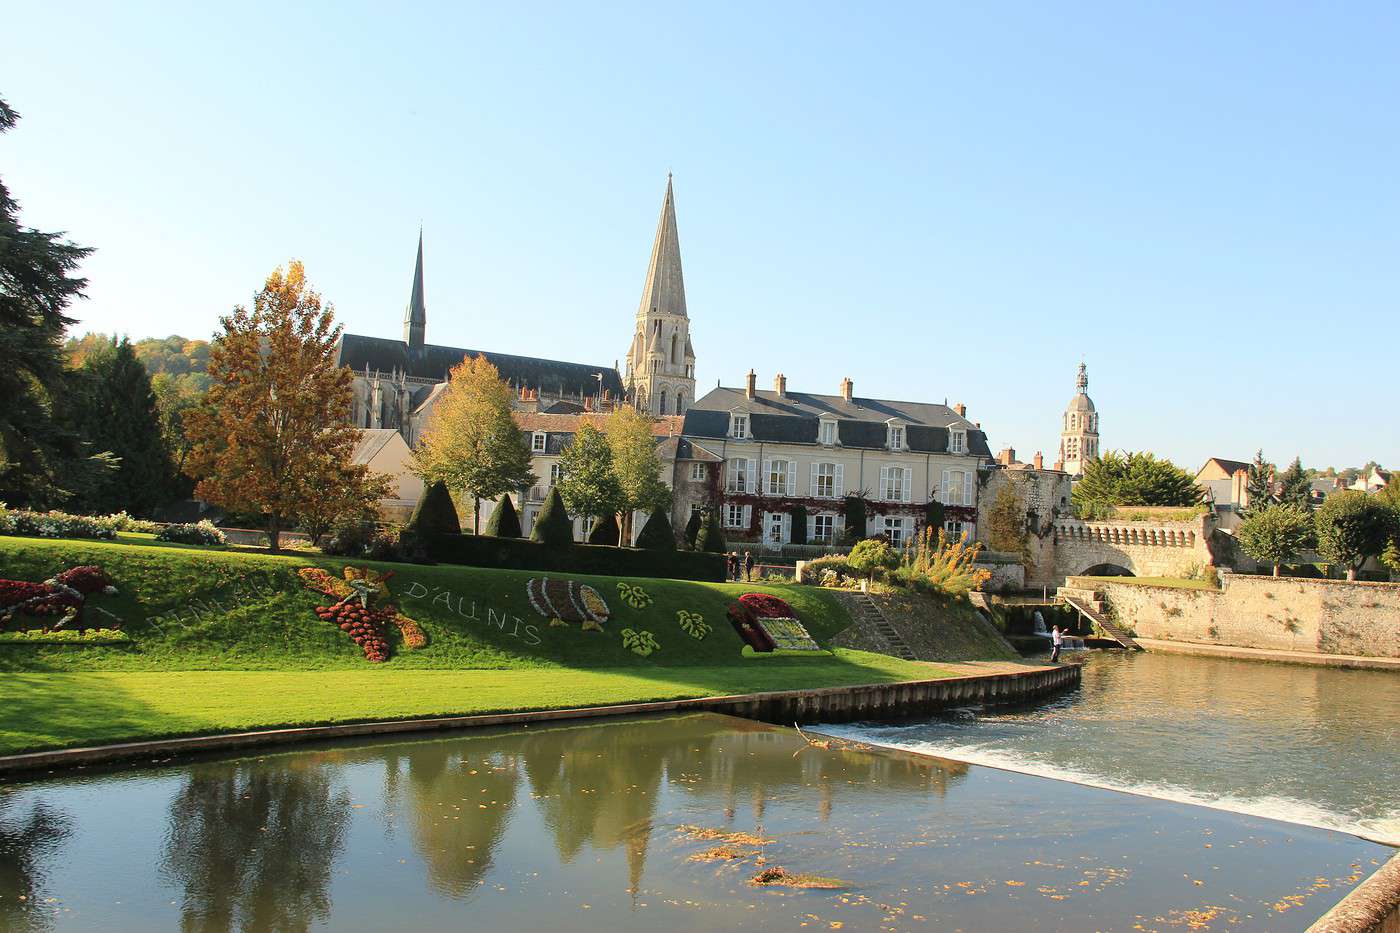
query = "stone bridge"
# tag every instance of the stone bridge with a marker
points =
(1140, 549)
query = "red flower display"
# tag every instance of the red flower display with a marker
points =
(767, 607)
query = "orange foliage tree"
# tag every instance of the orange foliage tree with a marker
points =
(274, 435)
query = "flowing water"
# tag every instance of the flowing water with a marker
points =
(1312, 745)
(622, 825)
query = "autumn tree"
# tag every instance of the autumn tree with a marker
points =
(276, 429)
(636, 465)
(43, 461)
(339, 493)
(471, 441)
(1274, 534)
(586, 478)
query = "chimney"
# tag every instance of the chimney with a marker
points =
(961, 409)
(750, 385)
(780, 385)
(847, 388)
(1007, 456)
(1039, 461)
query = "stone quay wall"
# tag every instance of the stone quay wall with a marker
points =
(1323, 616)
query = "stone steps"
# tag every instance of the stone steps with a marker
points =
(1093, 608)
(869, 612)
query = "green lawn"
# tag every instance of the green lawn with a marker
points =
(224, 640)
(1175, 583)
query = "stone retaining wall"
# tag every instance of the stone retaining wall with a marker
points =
(1372, 907)
(1326, 616)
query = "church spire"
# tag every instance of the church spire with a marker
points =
(415, 317)
(664, 292)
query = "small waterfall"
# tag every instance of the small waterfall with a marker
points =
(1067, 642)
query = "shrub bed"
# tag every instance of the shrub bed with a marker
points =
(202, 533)
(64, 525)
(518, 554)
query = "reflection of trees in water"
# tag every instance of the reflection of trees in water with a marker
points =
(26, 840)
(451, 831)
(253, 845)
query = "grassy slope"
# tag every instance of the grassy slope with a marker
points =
(1172, 583)
(246, 650)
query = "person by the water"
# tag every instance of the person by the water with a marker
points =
(1055, 640)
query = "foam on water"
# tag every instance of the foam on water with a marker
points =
(1385, 830)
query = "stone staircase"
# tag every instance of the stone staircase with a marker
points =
(870, 613)
(1090, 604)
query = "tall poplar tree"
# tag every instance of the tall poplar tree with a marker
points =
(275, 429)
(636, 465)
(471, 441)
(42, 460)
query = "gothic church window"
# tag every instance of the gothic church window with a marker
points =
(675, 348)
(662, 410)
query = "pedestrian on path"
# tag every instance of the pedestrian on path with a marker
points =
(731, 563)
(1055, 640)
(748, 566)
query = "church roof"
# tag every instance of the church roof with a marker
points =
(664, 292)
(434, 362)
(1081, 402)
(370, 442)
(794, 417)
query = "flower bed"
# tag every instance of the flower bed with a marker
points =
(202, 533)
(93, 636)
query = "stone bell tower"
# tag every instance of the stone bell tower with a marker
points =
(660, 377)
(1079, 432)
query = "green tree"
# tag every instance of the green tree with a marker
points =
(276, 431)
(118, 413)
(1352, 526)
(855, 518)
(504, 521)
(692, 528)
(553, 525)
(657, 534)
(1389, 498)
(1274, 534)
(1132, 479)
(586, 478)
(636, 466)
(471, 441)
(434, 515)
(872, 555)
(337, 493)
(43, 461)
(1259, 486)
(1294, 485)
(711, 537)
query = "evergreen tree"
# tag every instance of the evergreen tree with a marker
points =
(1274, 534)
(472, 442)
(604, 530)
(1352, 526)
(504, 521)
(711, 537)
(799, 524)
(855, 519)
(1132, 479)
(42, 460)
(434, 515)
(553, 525)
(586, 478)
(657, 534)
(1294, 486)
(692, 528)
(933, 514)
(119, 414)
(1259, 487)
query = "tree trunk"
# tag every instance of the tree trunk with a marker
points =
(1351, 574)
(274, 533)
(476, 515)
(1276, 568)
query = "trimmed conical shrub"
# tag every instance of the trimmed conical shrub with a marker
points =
(434, 515)
(553, 525)
(504, 521)
(657, 534)
(711, 537)
(605, 530)
(692, 529)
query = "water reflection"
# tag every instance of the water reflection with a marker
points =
(252, 847)
(30, 835)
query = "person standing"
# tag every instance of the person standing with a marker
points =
(1056, 639)
(732, 565)
(748, 566)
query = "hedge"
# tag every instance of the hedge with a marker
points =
(518, 554)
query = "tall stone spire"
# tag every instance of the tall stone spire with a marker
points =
(664, 292)
(415, 316)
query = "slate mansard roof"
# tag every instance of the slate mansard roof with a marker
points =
(433, 362)
(794, 417)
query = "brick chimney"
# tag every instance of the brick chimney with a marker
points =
(847, 388)
(1039, 461)
(750, 385)
(780, 385)
(1007, 456)
(961, 409)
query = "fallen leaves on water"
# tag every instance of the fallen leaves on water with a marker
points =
(718, 835)
(776, 876)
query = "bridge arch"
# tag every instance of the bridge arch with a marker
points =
(1107, 570)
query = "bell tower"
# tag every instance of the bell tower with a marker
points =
(1079, 431)
(660, 377)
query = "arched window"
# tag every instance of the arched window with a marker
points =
(680, 403)
(675, 348)
(663, 402)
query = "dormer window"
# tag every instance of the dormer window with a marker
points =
(896, 437)
(739, 426)
(826, 433)
(957, 441)
(537, 442)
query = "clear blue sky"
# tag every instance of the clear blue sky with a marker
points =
(1201, 200)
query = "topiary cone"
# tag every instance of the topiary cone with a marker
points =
(553, 525)
(657, 534)
(504, 521)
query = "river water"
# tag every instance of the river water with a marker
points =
(1312, 745)
(625, 825)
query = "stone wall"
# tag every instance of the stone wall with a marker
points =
(1146, 549)
(1044, 497)
(1327, 616)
